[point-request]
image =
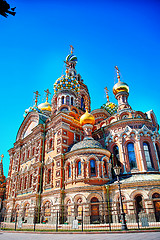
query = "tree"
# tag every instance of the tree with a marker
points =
(4, 9)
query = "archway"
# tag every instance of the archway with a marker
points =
(95, 217)
(156, 203)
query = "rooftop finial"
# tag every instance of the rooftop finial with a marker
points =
(71, 48)
(37, 95)
(2, 156)
(107, 96)
(118, 71)
(47, 94)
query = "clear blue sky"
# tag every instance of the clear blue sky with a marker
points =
(34, 44)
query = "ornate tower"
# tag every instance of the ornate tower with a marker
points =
(121, 92)
(69, 89)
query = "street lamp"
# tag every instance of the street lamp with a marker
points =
(117, 170)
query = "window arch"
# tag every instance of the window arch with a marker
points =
(92, 167)
(131, 156)
(158, 151)
(147, 154)
(79, 168)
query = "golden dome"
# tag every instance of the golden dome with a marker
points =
(87, 118)
(45, 106)
(120, 87)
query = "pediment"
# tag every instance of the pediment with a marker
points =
(27, 126)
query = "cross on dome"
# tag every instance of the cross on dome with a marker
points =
(37, 95)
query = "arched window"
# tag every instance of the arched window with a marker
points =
(116, 156)
(69, 170)
(158, 151)
(147, 154)
(92, 167)
(82, 103)
(72, 101)
(131, 155)
(79, 168)
(25, 182)
(50, 143)
(67, 100)
(62, 99)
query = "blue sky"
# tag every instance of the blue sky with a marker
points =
(34, 44)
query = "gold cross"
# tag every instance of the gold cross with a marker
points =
(47, 93)
(118, 71)
(2, 156)
(107, 96)
(71, 48)
(37, 95)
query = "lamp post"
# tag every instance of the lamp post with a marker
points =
(117, 172)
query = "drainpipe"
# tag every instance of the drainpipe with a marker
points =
(41, 175)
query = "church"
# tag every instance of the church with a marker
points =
(64, 157)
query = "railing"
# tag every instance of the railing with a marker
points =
(89, 217)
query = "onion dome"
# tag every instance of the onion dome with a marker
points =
(86, 143)
(110, 107)
(120, 87)
(45, 106)
(66, 83)
(87, 118)
(31, 109)
(71, 58)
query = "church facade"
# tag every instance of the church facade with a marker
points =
(64, 156)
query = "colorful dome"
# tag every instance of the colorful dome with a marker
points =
(120, 87)
(87, 118)
(110, 107)
(71, 58)
(66, 82)
(45, 106)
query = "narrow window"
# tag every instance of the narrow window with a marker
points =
(67, 100)
(82, 103)
(72, 101)
(92, 167)
(30, 181)
(79, 168)
(62, 99)
(147, 155)
(131, 156)
(69, 171)
(49, 176)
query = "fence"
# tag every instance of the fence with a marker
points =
(83, 217)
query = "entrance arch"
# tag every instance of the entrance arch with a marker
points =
(156, 203)
(95, 217)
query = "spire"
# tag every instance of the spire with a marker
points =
(47, 94)
(118, 71)
(72, 48)
(107, 96)
(36, 98)
(1, 165)
(2, 156)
